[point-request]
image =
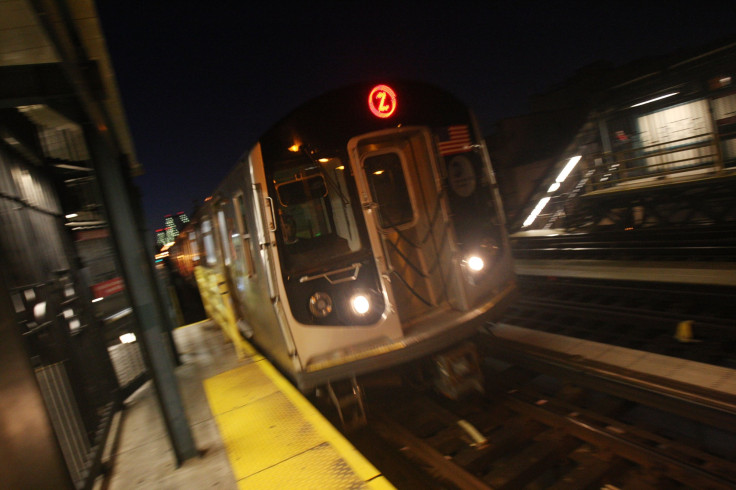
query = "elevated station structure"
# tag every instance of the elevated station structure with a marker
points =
(648, 145)
(77, 283)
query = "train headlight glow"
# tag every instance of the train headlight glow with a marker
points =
(320, 305)
(360, 304)
(475, 263)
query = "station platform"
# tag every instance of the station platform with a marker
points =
(642, 365)
(254, 430)
(707, 273)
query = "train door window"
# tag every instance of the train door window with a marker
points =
(221, 224)
(208, 242)
(241, 239)
(389, 189)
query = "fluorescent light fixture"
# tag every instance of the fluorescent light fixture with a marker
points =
(72, 167)
(71, 215)
(538, 209)
(568, 168)
(127, 338)
(655, 99)
(553, 187)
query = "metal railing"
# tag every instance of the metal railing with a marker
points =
(691, 156)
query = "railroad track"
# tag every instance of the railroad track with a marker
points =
(537, 427)
(699, 243)
(634, 315)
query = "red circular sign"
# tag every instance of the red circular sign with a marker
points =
(382, 101)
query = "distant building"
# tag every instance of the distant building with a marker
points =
(173, 224)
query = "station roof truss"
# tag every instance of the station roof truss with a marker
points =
(55, 70)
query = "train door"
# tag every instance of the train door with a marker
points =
(400, 188)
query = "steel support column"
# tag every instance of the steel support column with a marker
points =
(104, 149)
(141, 283)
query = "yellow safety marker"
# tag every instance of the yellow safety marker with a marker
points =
(275, 438)
(218, 304)
(684, 332)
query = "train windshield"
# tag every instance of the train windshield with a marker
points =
(316, 216)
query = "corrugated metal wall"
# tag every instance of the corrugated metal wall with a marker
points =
(29, 223)
(64, 341)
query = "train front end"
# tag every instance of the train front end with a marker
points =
(388, 232)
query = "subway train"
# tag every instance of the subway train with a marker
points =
(362, 231)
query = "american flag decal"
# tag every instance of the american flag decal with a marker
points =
(454, 139)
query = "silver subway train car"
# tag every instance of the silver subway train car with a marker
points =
(362, 231)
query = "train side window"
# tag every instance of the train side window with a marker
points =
(221, 224)
(388, 186)
(242, 243)
(193, 246)
(209, 243)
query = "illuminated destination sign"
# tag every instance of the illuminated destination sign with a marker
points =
(382, 101)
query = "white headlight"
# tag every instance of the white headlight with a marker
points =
(475, 263)
(360, 304)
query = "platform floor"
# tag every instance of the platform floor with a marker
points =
(716, 378)
(253, 429)
(716, 273)
(256, 431)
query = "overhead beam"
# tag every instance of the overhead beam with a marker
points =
(33, 84)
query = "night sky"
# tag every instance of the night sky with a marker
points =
(200, 81)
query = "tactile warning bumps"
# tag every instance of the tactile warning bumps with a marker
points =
(275, 439)
(320, 467)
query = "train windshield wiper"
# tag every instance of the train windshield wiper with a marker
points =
(329, 275)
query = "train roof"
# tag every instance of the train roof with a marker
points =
(328, 121)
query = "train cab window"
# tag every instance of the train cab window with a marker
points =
(301, 190)
(316, 219)
(388, 187)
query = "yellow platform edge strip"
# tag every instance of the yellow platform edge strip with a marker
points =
(363, 469)
(206, 320)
